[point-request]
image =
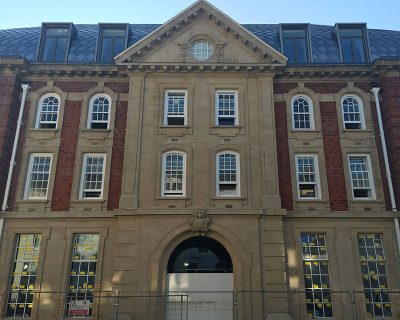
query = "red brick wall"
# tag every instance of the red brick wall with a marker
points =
(325, 87)
(9, 110)
(280, 88)
(390, 106)
(66, 157)
(282, 145)
(333, 157)
(117, 160)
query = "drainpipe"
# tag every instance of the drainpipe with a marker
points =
(375, 91)
(25, 88)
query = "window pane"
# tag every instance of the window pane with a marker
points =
(49, 50)
(301, 113)
(227, 175)
(346, 50)
(38, 178)
(173, 174)
(48, 113)
(106, 50)
(360, 177)
(119, 46)
(60, 50)
(92, 178)
(100, 113)
(57, 32)
(301, 50)
(374, 275)
(358, 50)
(288, 49)
(354, 32)
(82, 275)
(23, 277)
(114, 32)
(316, 275)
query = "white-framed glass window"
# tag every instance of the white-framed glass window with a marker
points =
(302, 113)
(175, 108)
(47, 112)
(173, 174)
(362, 184)
(92, 179)
(316, 275)
(307, 174)
(23, 277)
(37, 181)
(99, 112)
(201, 50)
(228, 174)
(226, 108)
(353, 112)
(373, 269)
(81, 279)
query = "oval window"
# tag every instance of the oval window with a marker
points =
(201, 50)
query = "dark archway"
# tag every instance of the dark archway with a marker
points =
(200, 255)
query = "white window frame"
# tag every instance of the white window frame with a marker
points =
(310, 113)
(367, 157)
(29, 173)
(83, 172)
(90, 111)
(228, 194)
(317, 182)
(168, 193)
(38, 121)
(361, 107)
(236, 115)
(166, 115)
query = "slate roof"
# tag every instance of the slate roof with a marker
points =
(24, 42)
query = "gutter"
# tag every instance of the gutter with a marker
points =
(25, 88)
(375, 91)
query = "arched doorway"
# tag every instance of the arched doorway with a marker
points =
(200, 273)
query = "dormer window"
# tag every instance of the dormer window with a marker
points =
(112, 41)
(295, 43)
(55, 42)
(353, 44)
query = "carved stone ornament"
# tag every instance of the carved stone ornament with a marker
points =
(200, 221)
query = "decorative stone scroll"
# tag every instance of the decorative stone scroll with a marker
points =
(200, 221)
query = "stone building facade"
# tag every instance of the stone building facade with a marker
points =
(207, 157)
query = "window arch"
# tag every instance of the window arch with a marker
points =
(47, 112)
(352, 112)
(173, 174)
(99, 112)
(227, 174)
(302, 113)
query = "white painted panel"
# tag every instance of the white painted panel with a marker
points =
(199, 296)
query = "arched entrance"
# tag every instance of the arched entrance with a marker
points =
(200, 273)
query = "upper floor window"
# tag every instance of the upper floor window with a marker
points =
(308, 186)
(353, 115)
(295, 44)
(92, 180)
(228, 174)
(37, 181)
(99, 112)
(353, 44)
(226, 108)
(173, 174)
(361, 177)
(112, 41)
(54, 42)
(175, 109)
(302, 113)
(47, 113)
(201, 50)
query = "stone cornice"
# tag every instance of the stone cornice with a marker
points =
(325, 71)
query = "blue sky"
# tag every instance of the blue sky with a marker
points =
(383, 14)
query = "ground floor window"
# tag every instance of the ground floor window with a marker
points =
(316, 275)
(374, 275)
(82, 275)
(23, 276)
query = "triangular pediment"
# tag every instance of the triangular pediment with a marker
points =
(170, 44)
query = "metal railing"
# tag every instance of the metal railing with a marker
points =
(38, 304)
(210, 305)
